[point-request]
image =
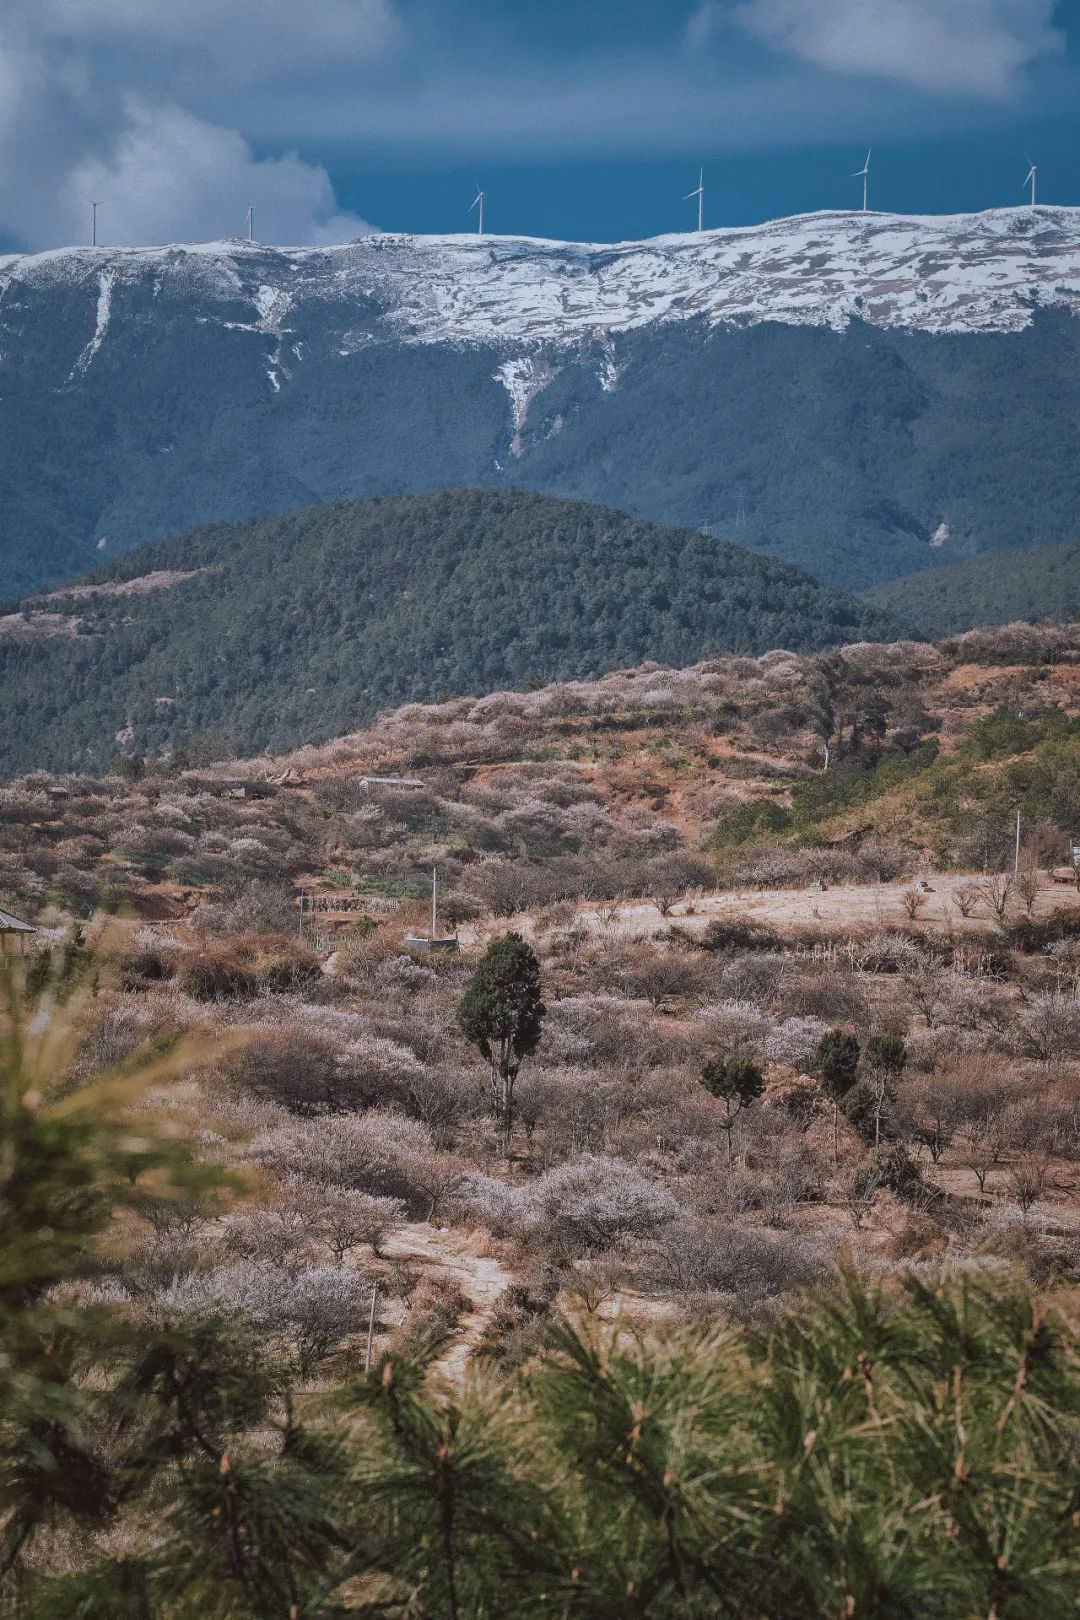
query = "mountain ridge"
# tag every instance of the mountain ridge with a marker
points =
(985, 271)
(837, 391)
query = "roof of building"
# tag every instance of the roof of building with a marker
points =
(10, 924)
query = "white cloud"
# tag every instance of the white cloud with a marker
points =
(172, 177)
(946, 47)
(703, 24)
(135, 101)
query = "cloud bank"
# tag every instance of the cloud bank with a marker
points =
(178, 114)
(955, 47)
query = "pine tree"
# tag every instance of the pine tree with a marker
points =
(124, 1436)
(738, 1083)
(502, 1014)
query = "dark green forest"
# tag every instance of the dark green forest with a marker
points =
(1038, 582)
(299, 628)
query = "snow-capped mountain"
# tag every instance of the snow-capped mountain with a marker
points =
(145, 390)
(954, 273)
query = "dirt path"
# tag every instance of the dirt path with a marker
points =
(442, 1252)
(847, 905)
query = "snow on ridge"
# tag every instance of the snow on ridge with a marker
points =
(944, 273)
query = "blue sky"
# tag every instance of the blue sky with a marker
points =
(585, 120)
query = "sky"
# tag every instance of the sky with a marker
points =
(581, 119)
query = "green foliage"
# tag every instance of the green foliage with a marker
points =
(502, 1014)
(754, 819)
(853, 781)
(113, 1419)
(1005, 732)
(1032, 584)
(887, 1053)
(836, 1062)
(737, 1083)
(298, 628)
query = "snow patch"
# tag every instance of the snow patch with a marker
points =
(984, 272)
(106, 283)
(523, 378)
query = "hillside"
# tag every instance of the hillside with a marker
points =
(863, 395)
(297, 628)
(1037, 582)
(782, 1229)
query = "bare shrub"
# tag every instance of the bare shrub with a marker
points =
(245, 963)
(312, 1308)
(995, 896)
(376, 1153)
(966, 899)
(715, 1257)
(316, 1065)
(587, 1206)
(1029, 886)
(932, 1112)
(1027, 1181)
(258, 908)
(217, 973)
(912, 902)
(1049, 1027)
(266, 1235)
(341, 1217)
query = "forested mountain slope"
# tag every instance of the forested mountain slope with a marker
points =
(1037, 582)
(864, 395)
(294, 629)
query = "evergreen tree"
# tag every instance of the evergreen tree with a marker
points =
(836, 1062)
(502, 1014)
(119, 1428)
(737, 1082)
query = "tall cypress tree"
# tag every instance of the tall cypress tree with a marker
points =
(502, 1014)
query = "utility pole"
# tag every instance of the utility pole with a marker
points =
(302, 893)
(434, 900)
(1016, 858)
(371, 1327)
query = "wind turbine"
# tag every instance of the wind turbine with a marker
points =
(863, 174)
(700, 195)
(251, 222)
(93, 220)
(1033, 171)
(478, 201)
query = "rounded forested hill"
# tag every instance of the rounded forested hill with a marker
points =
(297, 628)
(1034, 583)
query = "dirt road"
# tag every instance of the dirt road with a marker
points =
(847, 905)
(441, 1252)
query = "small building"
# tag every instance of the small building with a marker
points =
(14, 933)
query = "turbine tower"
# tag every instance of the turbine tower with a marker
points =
(700, 195)
(863, 174)
(251, 222)
(478, 202)
(1031, 175)
(93, 220)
